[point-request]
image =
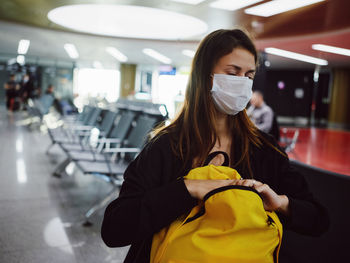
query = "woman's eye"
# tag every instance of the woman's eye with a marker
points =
(251, 76)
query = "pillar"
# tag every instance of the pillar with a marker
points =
(127, 79)
(339, 112)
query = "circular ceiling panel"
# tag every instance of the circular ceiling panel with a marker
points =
(127, 21)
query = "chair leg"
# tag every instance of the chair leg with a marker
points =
(48, 148)
(61, 168)
(99, 205)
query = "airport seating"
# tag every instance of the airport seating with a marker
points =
(43, 104)
(131, 145)
(115, 148)
(37, 108)
(66, 107)
(87, 152)
(112, 169)
(332, 190)
(78, 132)
(102, 129)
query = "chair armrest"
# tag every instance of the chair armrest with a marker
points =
(83, 133)
(122, 150)
(109, 140)
(82, 127)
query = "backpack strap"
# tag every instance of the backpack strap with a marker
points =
(214, 154)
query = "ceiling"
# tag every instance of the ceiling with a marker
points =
(327, 22)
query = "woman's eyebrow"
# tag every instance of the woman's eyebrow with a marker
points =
(239, 68)
(251, 71)
(235, 66)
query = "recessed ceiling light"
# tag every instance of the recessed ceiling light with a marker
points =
(116, 54)
(278, 6)
(296, 56)
(189, 53)
(332, 49)
(190, 2)
(127, 21)
(71, 51)
(156, 55)
(232, 5)
(23, 46)
(20, 59)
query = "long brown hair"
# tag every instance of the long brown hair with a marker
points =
(193, 130)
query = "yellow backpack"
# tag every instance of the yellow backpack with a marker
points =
(229, 225)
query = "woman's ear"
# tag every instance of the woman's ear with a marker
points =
(211, 79)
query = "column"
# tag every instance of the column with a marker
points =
(339, 111)
(127, 79)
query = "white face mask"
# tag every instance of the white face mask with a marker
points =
(231, 94)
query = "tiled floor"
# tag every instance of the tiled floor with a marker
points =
(40, 215)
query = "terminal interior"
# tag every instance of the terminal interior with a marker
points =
(102, 74)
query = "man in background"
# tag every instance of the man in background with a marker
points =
(262, 115)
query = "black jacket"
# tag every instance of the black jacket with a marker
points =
(153, 195)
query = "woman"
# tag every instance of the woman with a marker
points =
(213, 118)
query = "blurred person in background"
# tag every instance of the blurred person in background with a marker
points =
(12, 89)
(259, 112)
(27, 88)
(50, 90)
(262, 115)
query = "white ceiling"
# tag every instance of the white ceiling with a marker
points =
(47, 45)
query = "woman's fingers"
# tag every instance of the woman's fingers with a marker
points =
(248, 183)
(199, 188)
(261, 187)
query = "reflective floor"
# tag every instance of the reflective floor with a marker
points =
(323, 148)
(41, 215)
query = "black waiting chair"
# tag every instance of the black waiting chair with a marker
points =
(76, 132)
(87, 144)
(112, 169)
(83, 152)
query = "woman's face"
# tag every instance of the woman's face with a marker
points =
(240, 62)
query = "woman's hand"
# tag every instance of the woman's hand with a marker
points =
(199, 188)
(271, 200)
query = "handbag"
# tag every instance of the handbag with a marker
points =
(230, 224)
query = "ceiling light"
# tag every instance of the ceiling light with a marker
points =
(232, 5)
(127, 21)
(23, 46)
(278, 6)
(296, 56)
(267, 63)
(97, 64)
(189, 53)
(154, 54)
(20, 59)
(71, 51)
(11, 61)
(116, 54)
(331, 49)
(190, 2)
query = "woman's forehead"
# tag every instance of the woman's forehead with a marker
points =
(239, 57)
